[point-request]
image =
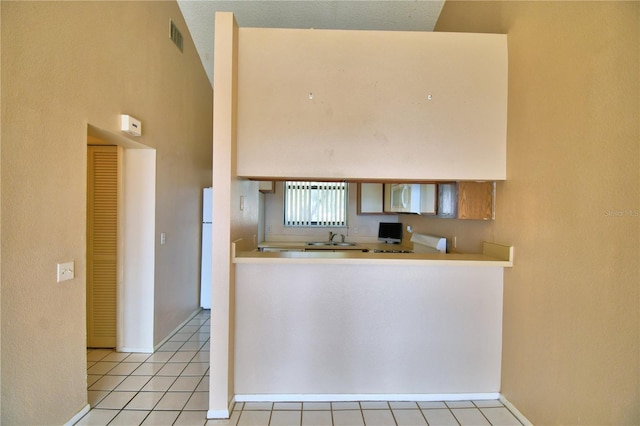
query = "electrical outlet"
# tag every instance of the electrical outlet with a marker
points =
(66, 271)
(163, 238)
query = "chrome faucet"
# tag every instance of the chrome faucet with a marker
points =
(331, 235)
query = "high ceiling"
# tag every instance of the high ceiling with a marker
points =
(390, 15)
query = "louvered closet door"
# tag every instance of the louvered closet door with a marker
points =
(102, 231)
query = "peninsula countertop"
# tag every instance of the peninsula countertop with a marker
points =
(493, 254)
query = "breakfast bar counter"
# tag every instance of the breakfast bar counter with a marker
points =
(353, 325)
(493, 255)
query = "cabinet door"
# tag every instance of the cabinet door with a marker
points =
(428, 204)
(475, 200)
(370, 198)
(448, 200)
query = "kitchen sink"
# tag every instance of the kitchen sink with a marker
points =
(325, 243)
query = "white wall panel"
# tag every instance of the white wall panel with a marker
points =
(355, 104)
(354, 329)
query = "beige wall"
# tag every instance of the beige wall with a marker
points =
(66, 65)
(569, 206)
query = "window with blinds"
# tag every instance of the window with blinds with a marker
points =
(315, 204)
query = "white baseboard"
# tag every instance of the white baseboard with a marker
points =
(364, 397)
(221, 414)
(218, 414)
(73, 420)
(515, 411)
(163, 341)
(146, 350)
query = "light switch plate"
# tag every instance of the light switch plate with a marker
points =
(66, 271)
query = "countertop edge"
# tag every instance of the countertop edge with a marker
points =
(496, 255)
(372, 261)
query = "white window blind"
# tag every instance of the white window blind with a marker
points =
(315, 203)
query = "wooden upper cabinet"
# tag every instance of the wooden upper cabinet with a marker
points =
(475, 200)
(364, 105)
(466, 200)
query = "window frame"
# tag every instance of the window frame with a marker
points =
(340, 218)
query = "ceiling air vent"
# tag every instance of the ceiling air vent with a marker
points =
(176, 35)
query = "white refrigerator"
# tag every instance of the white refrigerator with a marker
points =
(207, 241)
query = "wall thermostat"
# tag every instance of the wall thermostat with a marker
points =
(130, 125)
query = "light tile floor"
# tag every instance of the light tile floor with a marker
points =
(171, 387)
(168, 387)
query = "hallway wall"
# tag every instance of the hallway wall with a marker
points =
(66, 65)
(570, 206)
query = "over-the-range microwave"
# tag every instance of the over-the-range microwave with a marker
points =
(411, 198)
(404, 197)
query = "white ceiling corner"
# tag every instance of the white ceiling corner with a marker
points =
(389, 15)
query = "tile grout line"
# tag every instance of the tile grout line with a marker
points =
(140, 390)
(452, 414)
(481, 412)
(389, 408)
(422, 414)
(200, 381)
(109, 392)
(331, 410)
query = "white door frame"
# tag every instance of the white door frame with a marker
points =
(136, 241)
